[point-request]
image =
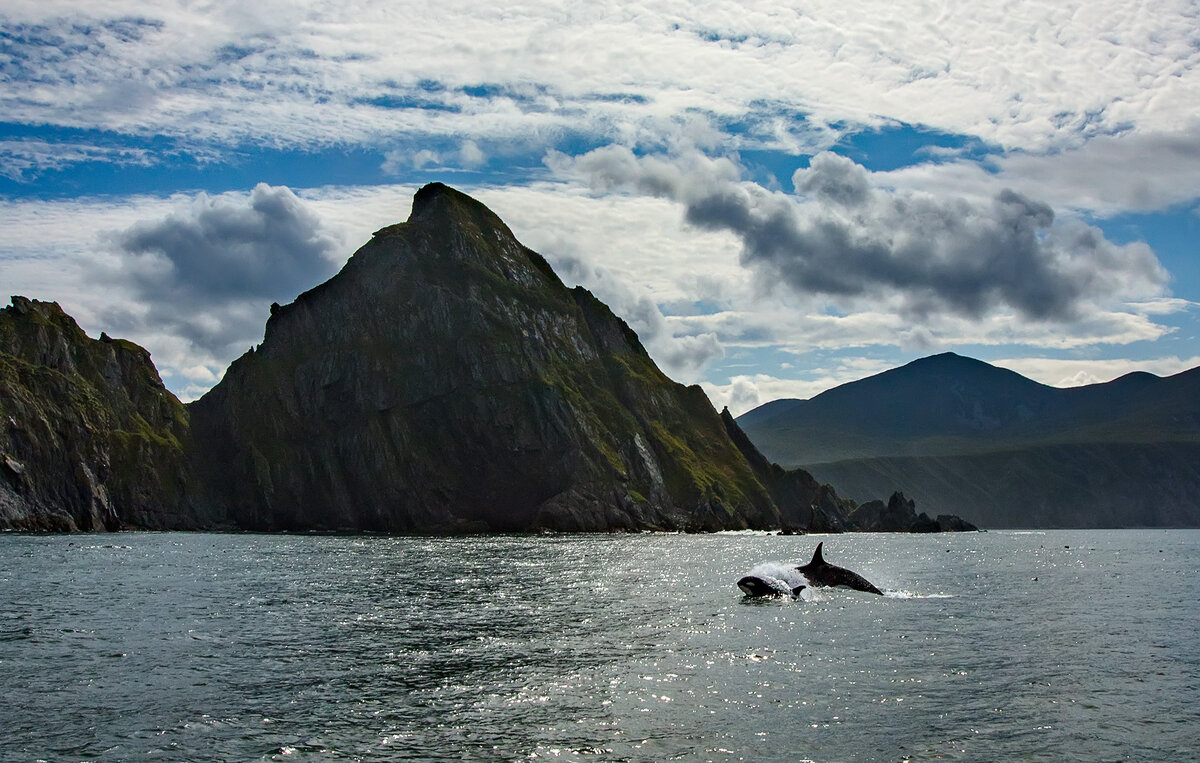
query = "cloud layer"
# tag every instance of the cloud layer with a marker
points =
(842, 236)
(749, 72)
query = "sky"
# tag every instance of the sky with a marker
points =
(779, 197)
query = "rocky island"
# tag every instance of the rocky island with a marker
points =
(446, 380)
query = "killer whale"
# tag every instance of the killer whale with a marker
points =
(775, 581)
(763, 585)
(821, 573)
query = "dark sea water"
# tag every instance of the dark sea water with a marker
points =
(1062, 645)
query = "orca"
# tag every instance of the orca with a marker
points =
(755, 587)
(821, 573)
(774, 580)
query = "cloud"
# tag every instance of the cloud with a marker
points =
(471, 155)
(208, 271)
(27, 158)
(306, 74)
(1108, 175)
(1072, 372)
(843, 236)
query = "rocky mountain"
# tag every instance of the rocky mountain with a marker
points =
(961, 436)
(447, 380)
(90, 439)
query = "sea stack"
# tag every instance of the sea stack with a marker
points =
(445, 381)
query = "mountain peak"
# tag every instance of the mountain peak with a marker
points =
(438, 203)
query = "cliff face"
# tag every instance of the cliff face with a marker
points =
(90, 439)
(446, 380)
(804, 504)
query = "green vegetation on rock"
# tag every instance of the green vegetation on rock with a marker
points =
(90, 439)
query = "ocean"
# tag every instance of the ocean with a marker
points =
(1056, 645)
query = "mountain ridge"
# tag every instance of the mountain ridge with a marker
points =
(961, 435)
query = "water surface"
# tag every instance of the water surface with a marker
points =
(1064, 645)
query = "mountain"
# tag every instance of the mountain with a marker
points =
(90, 439)
(446, 380)
(959, 435)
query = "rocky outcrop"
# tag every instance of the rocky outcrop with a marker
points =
(900, 515)
(446, 380)
(90, 439)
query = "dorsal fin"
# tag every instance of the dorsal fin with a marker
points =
(817, 558)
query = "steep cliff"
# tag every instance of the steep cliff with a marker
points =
(90, 439)
(446, 380)
(804, 504)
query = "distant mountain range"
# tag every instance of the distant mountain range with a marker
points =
(961, 436)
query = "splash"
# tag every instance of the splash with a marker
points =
(784, 577)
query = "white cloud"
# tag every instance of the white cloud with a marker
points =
(1035, 76)
(1071, 372)
(27, 158)
(1108, 175)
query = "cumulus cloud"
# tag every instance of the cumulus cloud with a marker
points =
(842, 236)
(208, 271)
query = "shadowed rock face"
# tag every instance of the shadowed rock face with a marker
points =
(446, 380)
(90, 439)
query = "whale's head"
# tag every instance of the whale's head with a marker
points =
(756, 587)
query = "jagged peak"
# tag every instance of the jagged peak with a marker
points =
(440, 202)
(46, 313)
(439, 205)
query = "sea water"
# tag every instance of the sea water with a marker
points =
(1063, 645)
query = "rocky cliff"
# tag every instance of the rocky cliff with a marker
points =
(446, 380)
(90, 439)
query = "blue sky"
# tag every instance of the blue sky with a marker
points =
(778, 197)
